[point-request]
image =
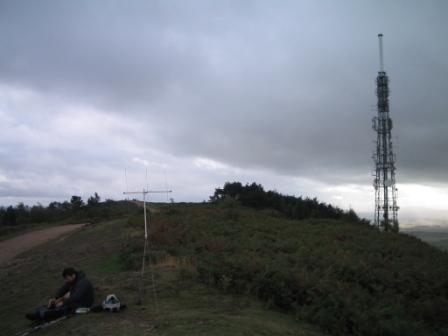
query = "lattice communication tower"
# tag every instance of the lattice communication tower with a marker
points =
(385, 191)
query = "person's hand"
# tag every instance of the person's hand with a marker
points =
(52, 301)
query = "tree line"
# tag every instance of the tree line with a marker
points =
(24, 214)
(254, 196)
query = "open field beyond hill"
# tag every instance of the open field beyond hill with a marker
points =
(435, 238)
(223, 269)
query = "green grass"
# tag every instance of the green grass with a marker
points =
(347, 278)
(183, 305)
(237, 271)
(111, 264)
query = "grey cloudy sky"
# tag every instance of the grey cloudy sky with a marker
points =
(201, 92)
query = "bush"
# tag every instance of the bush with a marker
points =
(254, 196)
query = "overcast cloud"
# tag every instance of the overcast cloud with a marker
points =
(201, 92)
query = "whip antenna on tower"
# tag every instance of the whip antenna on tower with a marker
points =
(385, 191)
(380, 42)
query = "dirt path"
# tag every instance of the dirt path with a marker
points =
(10, 248)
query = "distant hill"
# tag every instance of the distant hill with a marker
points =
(435, 236)
(426, 228)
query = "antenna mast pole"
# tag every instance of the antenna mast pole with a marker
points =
(380, 42)
(146, 246)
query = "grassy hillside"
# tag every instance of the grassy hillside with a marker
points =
(346, 278)
(184, 306)
(229, 270)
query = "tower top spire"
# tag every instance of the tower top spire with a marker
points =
(380, 41)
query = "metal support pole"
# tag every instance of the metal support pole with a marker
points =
(144, 214)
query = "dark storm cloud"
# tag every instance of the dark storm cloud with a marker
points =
(285, 86)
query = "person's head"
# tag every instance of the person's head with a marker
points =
(69, 274)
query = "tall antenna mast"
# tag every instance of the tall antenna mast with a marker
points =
(385, 191)
(144, 192)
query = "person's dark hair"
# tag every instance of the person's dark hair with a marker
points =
(68, 271)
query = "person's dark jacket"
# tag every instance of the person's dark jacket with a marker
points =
(81, 292)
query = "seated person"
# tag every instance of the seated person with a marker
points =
(77, 292)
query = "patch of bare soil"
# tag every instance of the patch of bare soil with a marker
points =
(10, 248)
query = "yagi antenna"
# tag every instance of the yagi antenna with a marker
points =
(126, 180)
(146, 178)
(166, 185)
(144, 192)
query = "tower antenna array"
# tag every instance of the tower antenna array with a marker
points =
(385, 191)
